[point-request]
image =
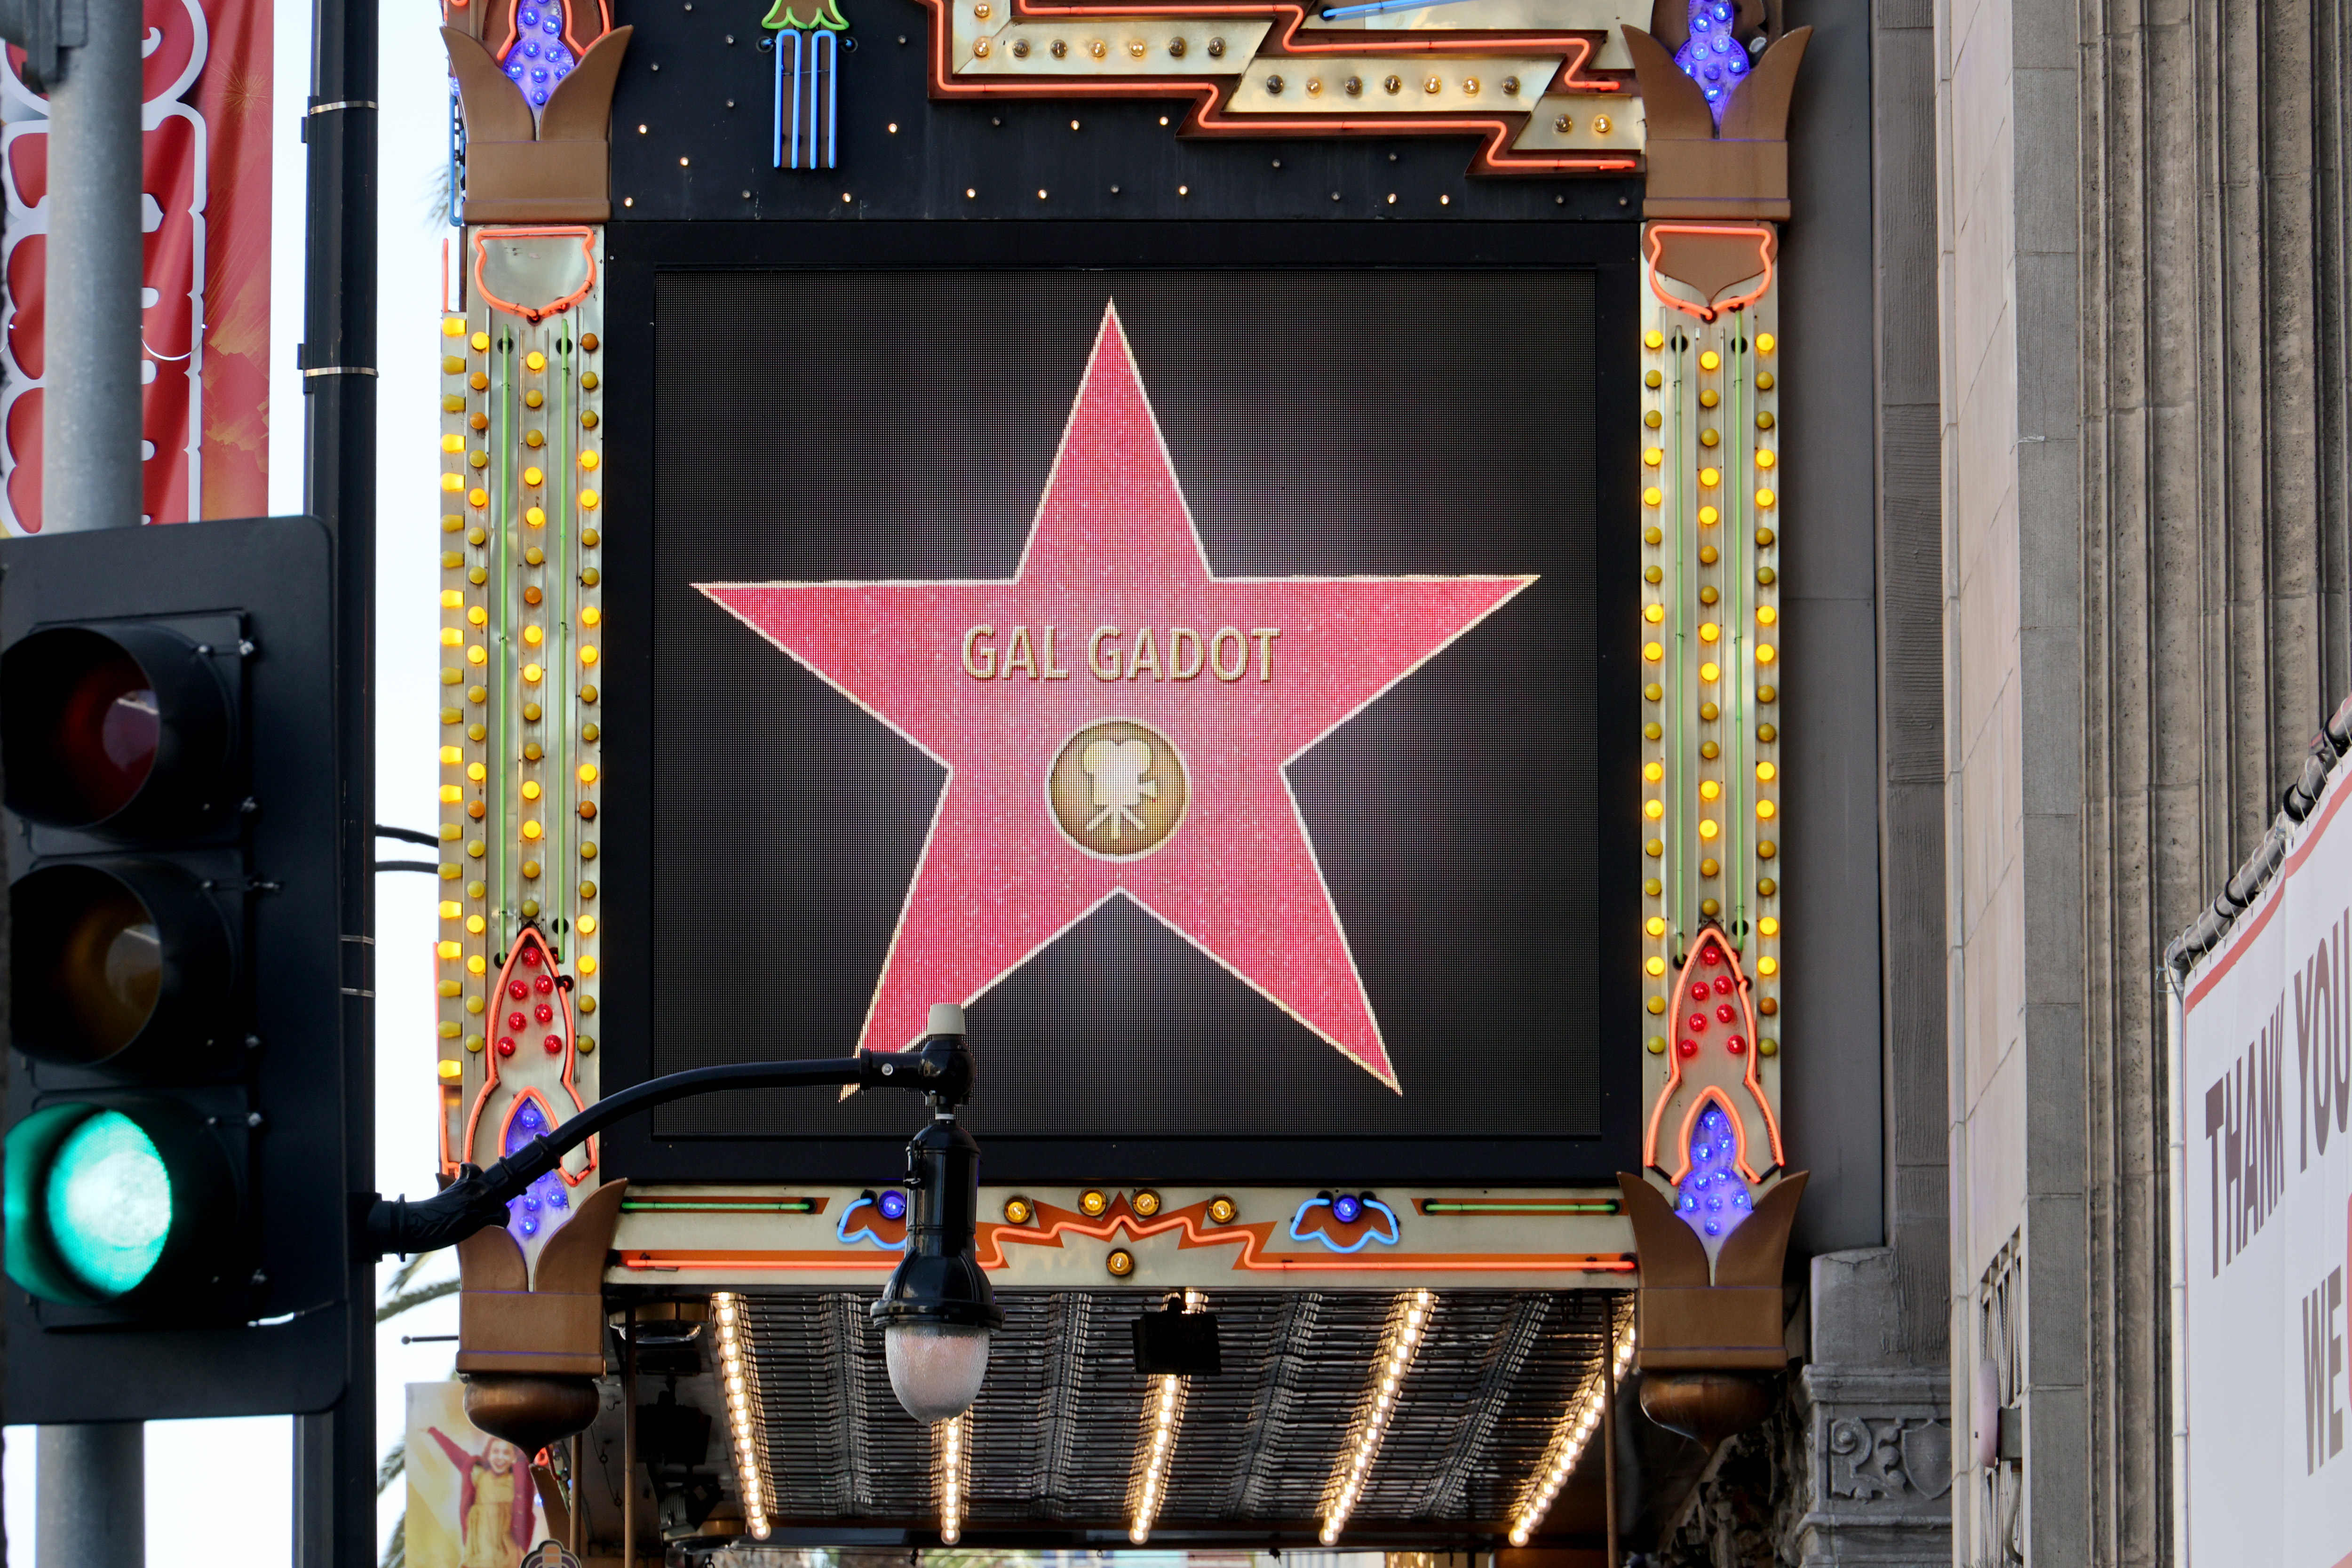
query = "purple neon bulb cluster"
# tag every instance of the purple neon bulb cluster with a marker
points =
(542, 1207)
(538, 57)
(1713, 1199)
(1713, 57)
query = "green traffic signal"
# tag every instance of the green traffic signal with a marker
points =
(122, 1205)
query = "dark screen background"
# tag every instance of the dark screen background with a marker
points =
(847, 425)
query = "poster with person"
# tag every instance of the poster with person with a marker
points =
(471, 1503)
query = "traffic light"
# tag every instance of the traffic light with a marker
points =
(176, 1219)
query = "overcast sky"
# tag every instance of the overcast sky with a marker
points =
(219, 1493)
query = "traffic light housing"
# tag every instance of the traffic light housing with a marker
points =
(177, 1228)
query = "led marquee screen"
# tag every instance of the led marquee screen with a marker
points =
(1195, 674)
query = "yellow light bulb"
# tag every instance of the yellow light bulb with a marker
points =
(1766, 615)
(1764, 653)
(1767, 966)
(452, 483)
(1765, 809)
(1654, 772)
(1653, 338)
(474, 963)
(533, 636)
(1709, 672)
(476, 772)
(1765, 459)
(588, 654)
(533, 516)
(481, 343)
(475, 925)
(477, 497)
(531, 674)
(1766, 342)
(588, 773)
(453, 443)
(1709, 477)
(1708, 789)
(591, 617)
(1710, 359)
(450, 911)
(534, 361)
(1766, 772)
(451, 598)
(588, 963)
(1653, 652)
(588, 499)
(1708, 631)
(1769, 926)
(1653, 456)
(447, 949)
(533, 477)
(1654, 925)
(1708, 830)
(530, 789)
(451, 795)
(1653, 496)
(451, 756)
(1765, 498)
(1708, 517)
(453, 327)
(531, 832)
(477, 655)
(1654, 809)
(451, 637)
(1653, 966)
(587, 925)
(1653, 614)
(588, 460)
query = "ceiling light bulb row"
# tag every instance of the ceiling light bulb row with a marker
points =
(952, 1460)
(1576, 1427)
(738, 1376)
(1408, 1325)
(1155, 1445)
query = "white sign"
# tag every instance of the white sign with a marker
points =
(2265, 1095)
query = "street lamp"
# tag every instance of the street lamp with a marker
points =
(937, 1312)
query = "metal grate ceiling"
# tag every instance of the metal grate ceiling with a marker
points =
(1054, 1435)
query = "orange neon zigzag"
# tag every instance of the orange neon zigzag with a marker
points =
(1713, 935)
(1768, 250)
(1053, 1224)
(1209, 117)
(530, 934)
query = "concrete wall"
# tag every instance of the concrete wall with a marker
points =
(2142, 217)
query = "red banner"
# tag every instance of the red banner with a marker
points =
(205, 321)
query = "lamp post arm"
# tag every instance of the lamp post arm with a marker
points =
(478, 1198)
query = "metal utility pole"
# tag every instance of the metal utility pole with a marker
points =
(91, 459)
(91, 1486)
(335, 1456)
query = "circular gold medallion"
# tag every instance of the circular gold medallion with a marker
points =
(1117, 789)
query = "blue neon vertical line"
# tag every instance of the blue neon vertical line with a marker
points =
(778, 157)
(832, 97)
(800, 86)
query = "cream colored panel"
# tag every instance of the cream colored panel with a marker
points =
(1584, 122)
(1378, 84)
(1117, 46)
(1569, 16)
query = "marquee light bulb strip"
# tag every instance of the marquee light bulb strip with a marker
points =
(746, 1431)
(1710, 636)
(1155, 1445)
(951, 1473)
(1568, 1438)
(521, 619)
(1407, 1327)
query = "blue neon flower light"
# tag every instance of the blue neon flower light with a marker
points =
(1713, 1198)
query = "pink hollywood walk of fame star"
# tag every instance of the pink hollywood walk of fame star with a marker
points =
(1113, 545)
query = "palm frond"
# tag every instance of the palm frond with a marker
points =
(407, 1272)
(407, 1299)
(396, 1550)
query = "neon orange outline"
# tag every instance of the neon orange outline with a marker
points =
(587, 238)
(1209, 116)
(1545, 1263)
(1654, 248)
(530, 935)
(1711, 935)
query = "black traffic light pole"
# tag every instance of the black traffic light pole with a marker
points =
(335, 1458)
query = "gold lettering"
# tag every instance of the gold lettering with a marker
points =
(1177, 637)
(978, 671)
(1093, 653)
(1146, 656)
(1265, 636)
(1017, 654)
(1053, 670)
(1217, 654)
